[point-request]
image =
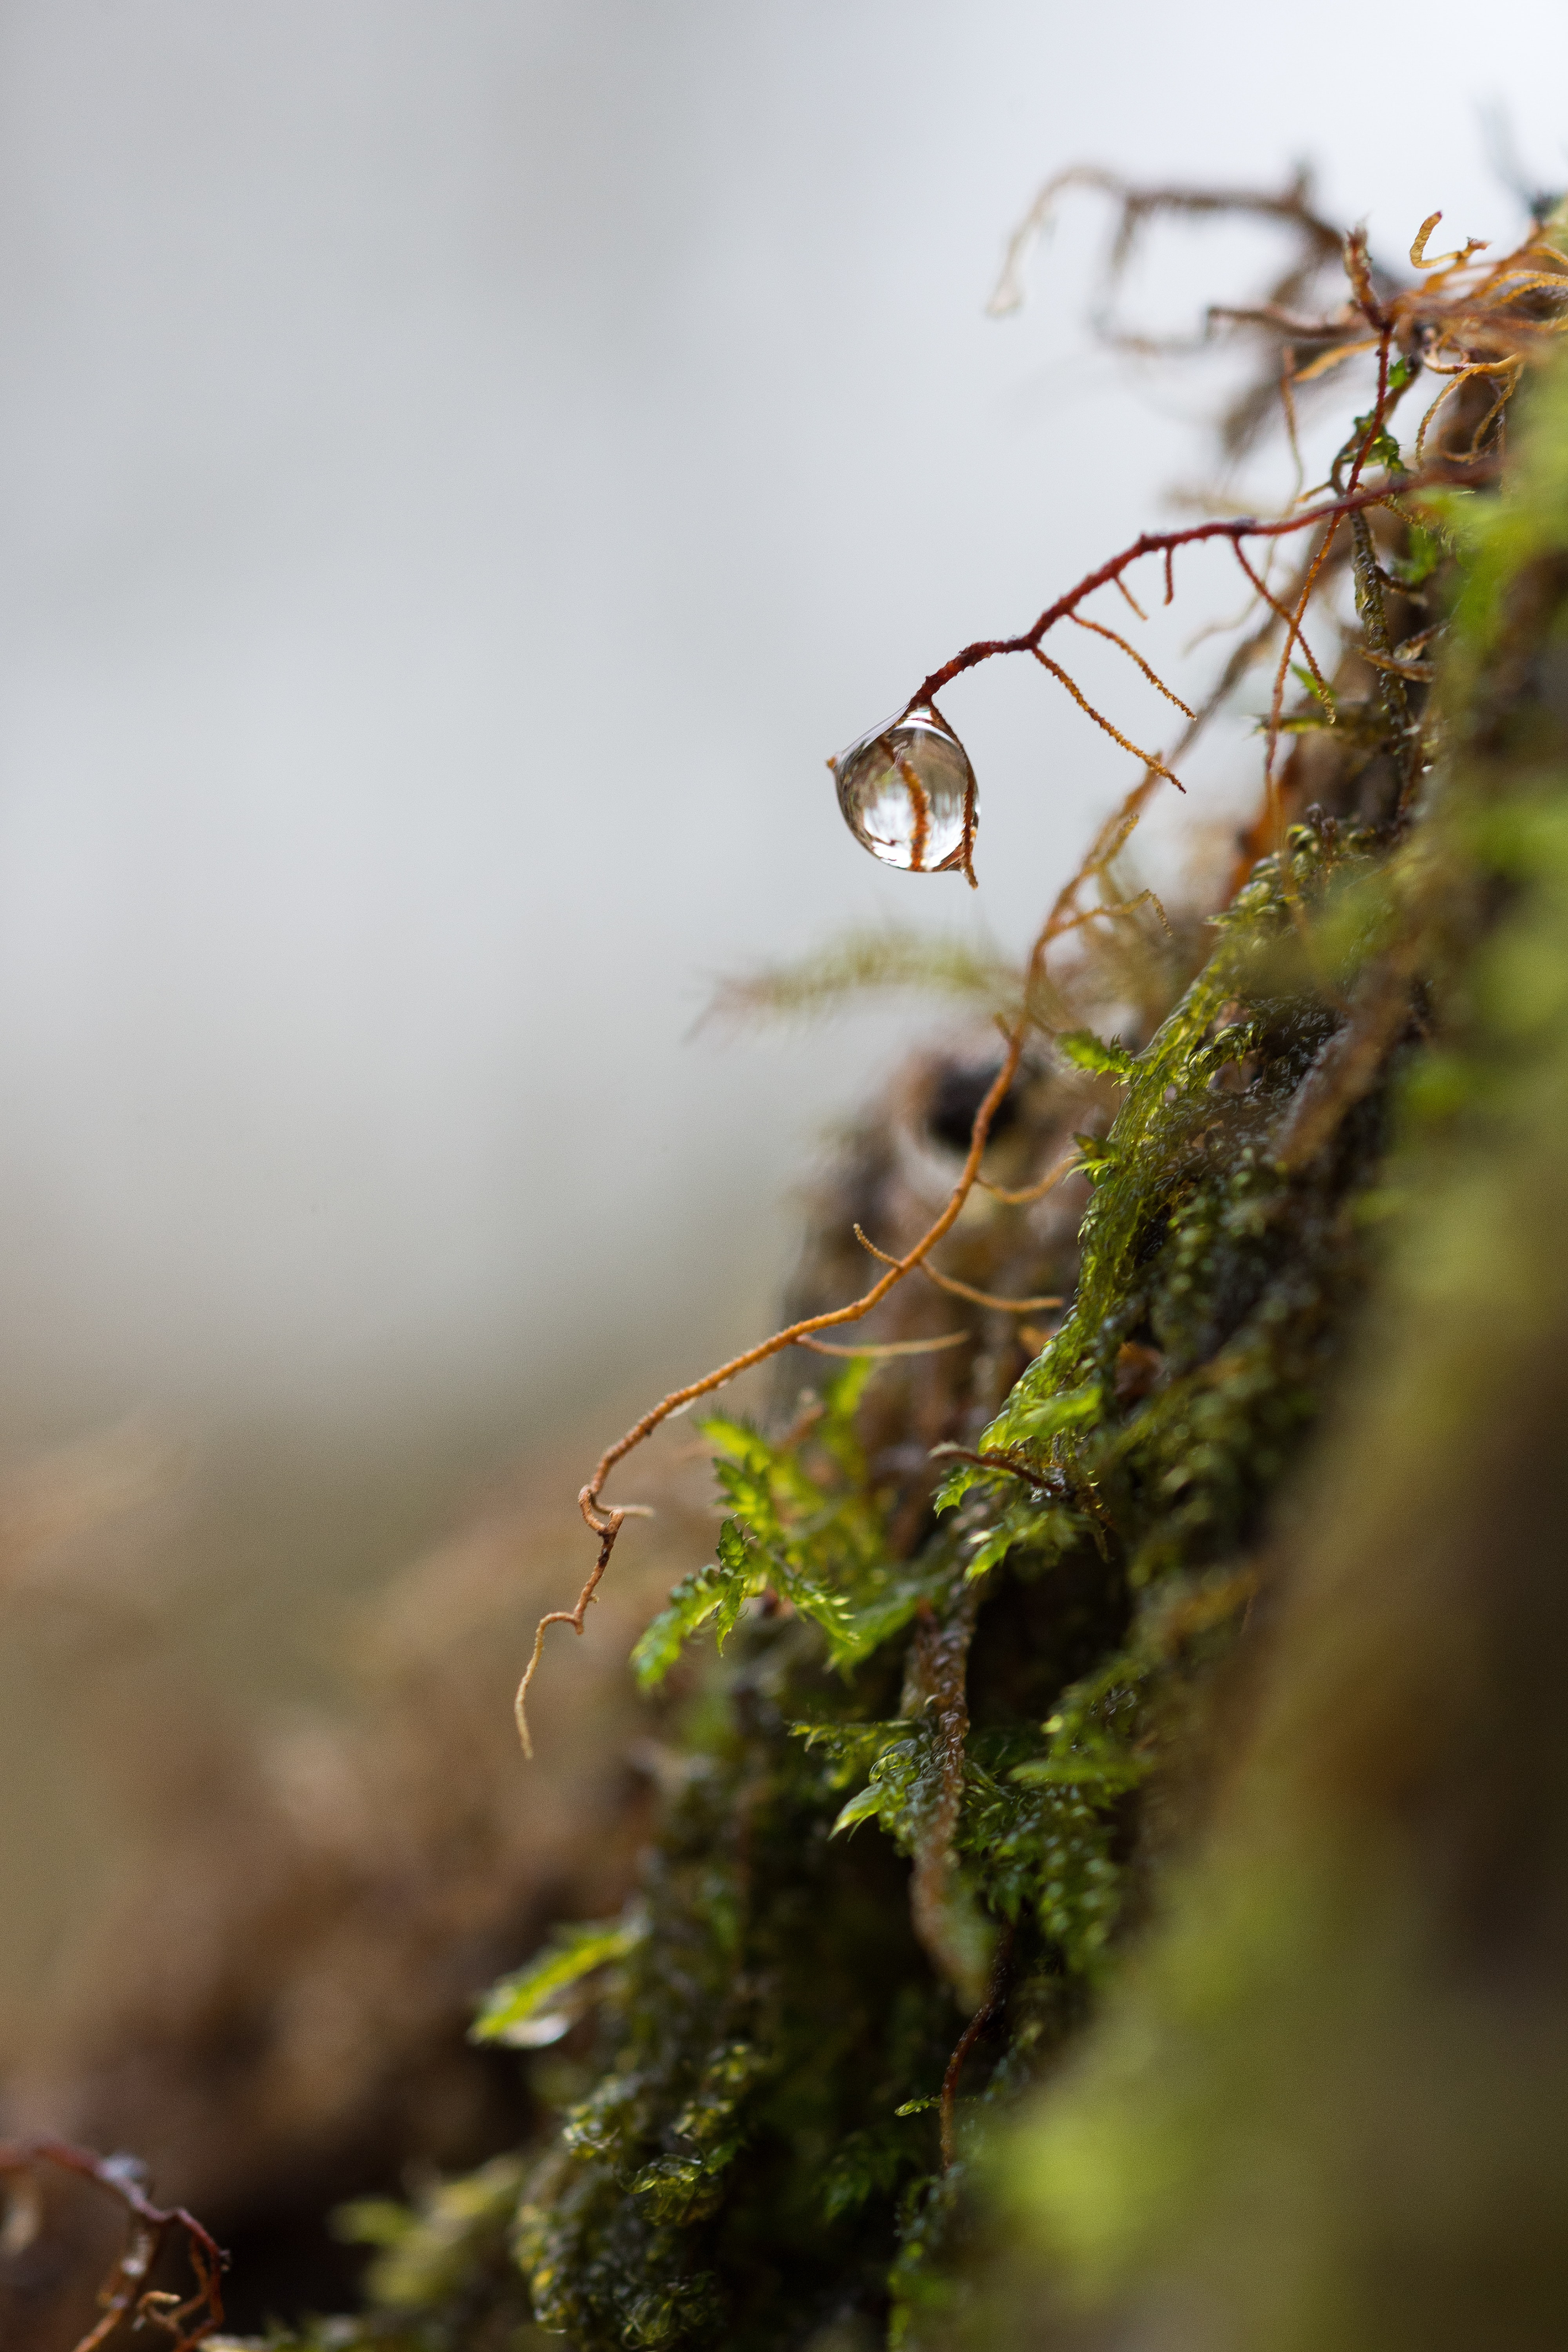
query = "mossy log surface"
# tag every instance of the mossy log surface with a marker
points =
(1119, 1893)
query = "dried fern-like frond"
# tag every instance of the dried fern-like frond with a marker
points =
(861, 963)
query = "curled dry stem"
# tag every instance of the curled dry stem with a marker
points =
(1507, 369)
(127, 2295)
(1442, 262)
(1326, 361)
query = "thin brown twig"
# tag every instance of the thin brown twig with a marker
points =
(1358, 271)
(1281, 322)
(1290, 208)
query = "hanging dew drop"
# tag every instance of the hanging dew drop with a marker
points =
(908, 795)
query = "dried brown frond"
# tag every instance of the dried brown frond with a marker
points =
(861, 963)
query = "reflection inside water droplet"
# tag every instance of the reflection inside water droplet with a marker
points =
(908, 795)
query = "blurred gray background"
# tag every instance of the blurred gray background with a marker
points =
(463, 465)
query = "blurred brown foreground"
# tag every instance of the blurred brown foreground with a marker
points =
(273, 1928)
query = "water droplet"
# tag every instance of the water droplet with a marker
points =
(908, 795)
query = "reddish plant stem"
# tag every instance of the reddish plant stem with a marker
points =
(607, 1524)
(1234, 528)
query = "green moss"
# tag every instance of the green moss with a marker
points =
(933, 1745)
(1325, 2109)
(757, 2153)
